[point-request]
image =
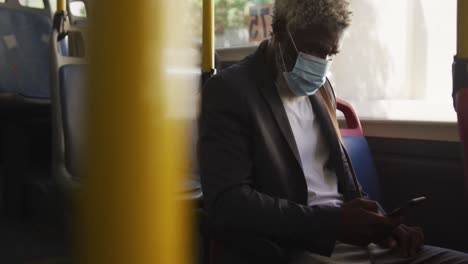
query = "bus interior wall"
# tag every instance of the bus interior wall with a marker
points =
(410, 168)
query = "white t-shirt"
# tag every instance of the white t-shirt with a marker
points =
(314, 151)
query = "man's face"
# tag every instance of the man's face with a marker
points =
(323, 44)
(318, 42)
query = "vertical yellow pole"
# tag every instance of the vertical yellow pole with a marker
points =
(208, 63)
(134, 149)
(61, 5)
(462, 47)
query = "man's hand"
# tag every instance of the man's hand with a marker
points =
(362, 223)
(408, 239)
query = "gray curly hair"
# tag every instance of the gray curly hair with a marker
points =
(301, 14)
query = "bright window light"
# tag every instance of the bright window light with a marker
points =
(396, 60)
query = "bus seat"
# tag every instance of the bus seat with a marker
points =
(359, 152)
(69, 73)
(72, 84)
(69, 81)
(24, 53)
(24, 101)
(64, 50)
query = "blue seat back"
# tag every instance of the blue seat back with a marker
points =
(24, 51)
(64, 47)
(359, 152)
(363, 165)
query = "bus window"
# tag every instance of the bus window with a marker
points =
(385, 67)
(32, 3)
(242, 22)
(396, 60)
(53, 5)
(237, 23)
(78, 9)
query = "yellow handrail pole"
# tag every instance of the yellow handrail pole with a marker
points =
(208, 56)
(462, 45)
(61, 5)
(134, 142)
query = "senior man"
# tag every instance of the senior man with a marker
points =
(271, 160)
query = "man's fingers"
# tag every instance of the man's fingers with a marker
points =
(415, 243)
(378, 227)
(403, 238)
(416, 239)
(417, 232)
(364, 224)
(420, 233)
(375, 219)
(396, 221)
(368, 205)
(391, 243)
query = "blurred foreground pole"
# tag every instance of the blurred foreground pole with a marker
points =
(208, 58)
(460, 83)
(61, 5)
(135, 141)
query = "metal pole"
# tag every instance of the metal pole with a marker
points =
(208, 61)
(61, 5)
(134, 149)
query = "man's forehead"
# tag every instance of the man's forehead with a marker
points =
(322, 35)
(313, 37)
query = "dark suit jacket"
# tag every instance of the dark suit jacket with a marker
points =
(251, 173)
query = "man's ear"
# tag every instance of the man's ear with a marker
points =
(278, 37)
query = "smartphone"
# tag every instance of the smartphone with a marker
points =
(402, 210)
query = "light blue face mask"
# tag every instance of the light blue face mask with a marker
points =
(308, 75)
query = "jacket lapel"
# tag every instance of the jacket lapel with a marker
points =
(336, 154)
(270, 93)
(276, 106)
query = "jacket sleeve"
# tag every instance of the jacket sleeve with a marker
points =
(234, 205)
